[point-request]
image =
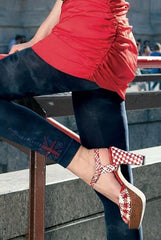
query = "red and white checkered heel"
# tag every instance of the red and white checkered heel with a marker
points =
(131, 200)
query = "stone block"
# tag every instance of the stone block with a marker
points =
(144, 135)
(91, 228)
(34, 18)
(152, 220)
(84, 229)
(12, 158)
(143, 116)
(144, 128)
(73, 200)
(148, 179)
(14, 5)
(10, 18)
(15, 214)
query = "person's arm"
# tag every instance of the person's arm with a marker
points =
(44, 30)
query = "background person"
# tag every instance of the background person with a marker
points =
(156, 52)
(17, 40)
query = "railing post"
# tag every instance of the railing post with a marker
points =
(36, 196)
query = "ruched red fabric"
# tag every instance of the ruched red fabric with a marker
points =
(93, 40)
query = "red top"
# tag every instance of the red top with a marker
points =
(93, 40)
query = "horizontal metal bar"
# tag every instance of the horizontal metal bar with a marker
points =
(64, 129)
(149, 62)
(148, 78)
(54, 105)
(16, 145)
(143, 100)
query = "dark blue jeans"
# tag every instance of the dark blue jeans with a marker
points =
(100, 116)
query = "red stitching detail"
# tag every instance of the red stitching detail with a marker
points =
(50, 149)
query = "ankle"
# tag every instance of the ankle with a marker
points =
(82, 164)
(103, 175)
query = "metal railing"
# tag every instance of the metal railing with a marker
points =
(59, 105)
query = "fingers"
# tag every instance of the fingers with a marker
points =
(19, 47)
(15, 48)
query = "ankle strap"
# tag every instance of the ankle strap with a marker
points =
(100, 169)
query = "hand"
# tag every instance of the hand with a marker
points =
(19, 47)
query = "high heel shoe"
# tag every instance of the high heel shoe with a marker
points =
(131, 200)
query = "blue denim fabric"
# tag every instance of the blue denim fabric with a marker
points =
(24, 74)
(100, 116)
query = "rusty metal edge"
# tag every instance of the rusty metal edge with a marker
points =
(135, 100)
(147, 78)
(36, 197)
(143, 100)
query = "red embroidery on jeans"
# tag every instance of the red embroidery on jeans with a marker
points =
(51, 149)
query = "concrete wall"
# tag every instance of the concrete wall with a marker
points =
(21, 17)
(73, 211)
(144, 128)
(144, 131)
(24, 17)
(146, 19)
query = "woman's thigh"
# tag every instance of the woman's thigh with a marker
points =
(101, 117)
(25, 74)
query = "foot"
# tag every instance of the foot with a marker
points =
(84, 166)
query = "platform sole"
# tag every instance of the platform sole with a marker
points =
(138, 202)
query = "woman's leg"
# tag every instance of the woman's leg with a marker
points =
(25, 74)
(101, 121)
(21, 125)
(25, 127)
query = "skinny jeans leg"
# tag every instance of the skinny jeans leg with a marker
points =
(101, 120)
(25, 74)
